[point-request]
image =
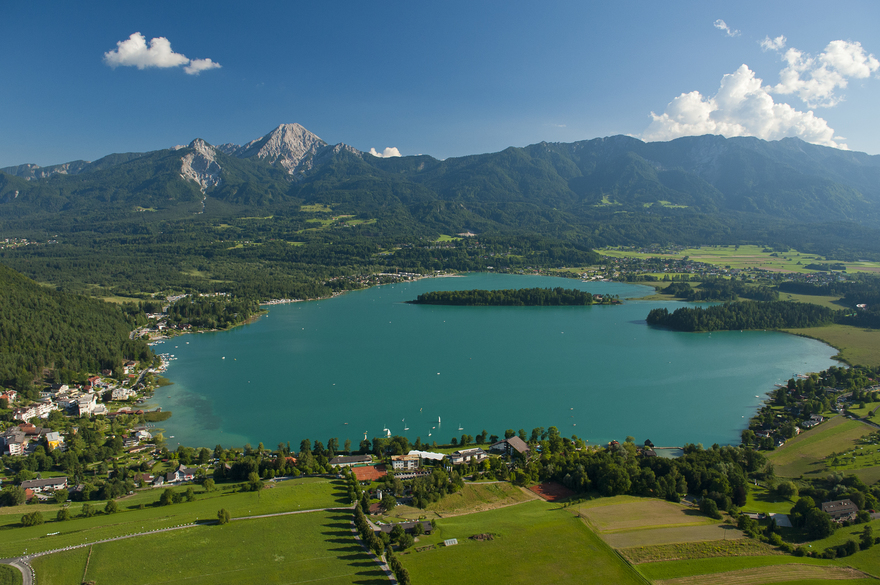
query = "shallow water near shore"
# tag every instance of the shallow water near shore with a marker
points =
(366, 361)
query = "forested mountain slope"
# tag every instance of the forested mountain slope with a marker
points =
(70, 334)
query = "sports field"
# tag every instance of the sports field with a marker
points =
(534, 542)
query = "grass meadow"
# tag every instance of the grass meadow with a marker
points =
(806, 453)
(534, 542)
(300, 494)
(855, 344)
(9, 575)
(283, 549)
(760, 499)
(627, 513)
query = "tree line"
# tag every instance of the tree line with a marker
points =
(528, 297)
(743, 315)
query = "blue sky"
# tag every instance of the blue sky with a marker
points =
(445, 79)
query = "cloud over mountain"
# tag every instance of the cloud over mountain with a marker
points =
(387, 153)
(134, 52)
(743, 106)
(816, 79)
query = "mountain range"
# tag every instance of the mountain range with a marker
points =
(702, 182)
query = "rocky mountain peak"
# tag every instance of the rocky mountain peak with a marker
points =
(288, 145)
(200, 165)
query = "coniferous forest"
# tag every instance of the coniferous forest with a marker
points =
(526, 297)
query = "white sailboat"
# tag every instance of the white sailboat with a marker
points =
(405, 428)
(461, 428)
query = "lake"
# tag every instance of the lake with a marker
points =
(366, 361)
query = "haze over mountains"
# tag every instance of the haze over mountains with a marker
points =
(605, 180)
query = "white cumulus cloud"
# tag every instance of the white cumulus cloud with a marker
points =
(815, 80)
(741, 107)
(721, 25)
(134, 52)
(387, 153)
(776, 44)
(196, 66)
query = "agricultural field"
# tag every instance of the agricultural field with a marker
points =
(290, 549)
(741, 547)
(807, 453)
(627, 513)
(302, 494)
(745, 257)
(830, 302)
(748, 570)
(535, 542)
(855, 344)
(316, 208)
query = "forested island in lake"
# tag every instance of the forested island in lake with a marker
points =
(525, 297)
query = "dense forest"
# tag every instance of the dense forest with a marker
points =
(743, 315)
(211, 312)
(720, 289)
(67, 334)
(526, 297)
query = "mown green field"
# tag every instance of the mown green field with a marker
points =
(301, 494)
(806, 453)
(298, 548)
(856, 345)
(760, 499)
(9, 575)
(534, 542)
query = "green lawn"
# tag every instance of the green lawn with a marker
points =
(759, 499)
(298, 548)
(806, 453)
(9, 575)
(301, 494)
(535, 542)
(863, 412)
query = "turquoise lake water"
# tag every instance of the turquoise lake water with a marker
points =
(366, 361)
